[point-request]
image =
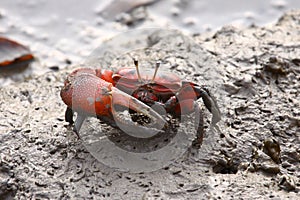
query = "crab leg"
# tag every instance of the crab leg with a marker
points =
(210, 103)
(69, 115)
(78, 122)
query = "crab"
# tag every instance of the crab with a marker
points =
(98, 92)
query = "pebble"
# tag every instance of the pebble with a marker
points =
(190, 21)
(2, 13)
(287, 183)
(249, 15)
(175, 11)
(272, 148)
(269, 168)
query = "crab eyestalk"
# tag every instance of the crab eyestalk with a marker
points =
(155, 72)
(136, 64)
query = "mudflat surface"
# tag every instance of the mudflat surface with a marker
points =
(254, 154)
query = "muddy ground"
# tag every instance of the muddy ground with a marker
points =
(254, 154)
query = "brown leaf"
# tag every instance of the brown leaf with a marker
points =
(13, 54)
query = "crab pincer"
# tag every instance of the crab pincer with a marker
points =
(88, 94)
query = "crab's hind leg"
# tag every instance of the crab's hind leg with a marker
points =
(210, 103)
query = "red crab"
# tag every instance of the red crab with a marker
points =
(96, 92)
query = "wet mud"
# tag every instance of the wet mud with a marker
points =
(253, 153)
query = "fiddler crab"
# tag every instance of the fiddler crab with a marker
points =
(97, 92)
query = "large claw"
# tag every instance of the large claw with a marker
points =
(89, 95)
(157, 122)
(123, 99)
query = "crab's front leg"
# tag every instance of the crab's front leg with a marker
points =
(69, 115)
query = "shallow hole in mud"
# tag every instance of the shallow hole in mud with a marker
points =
(225, 167)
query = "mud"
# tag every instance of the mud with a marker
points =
(255, 152)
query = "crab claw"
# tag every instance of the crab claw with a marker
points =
(89, 95)
(156, 122)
